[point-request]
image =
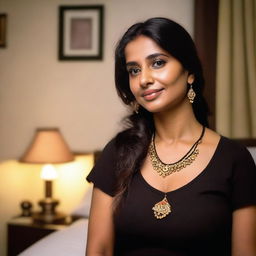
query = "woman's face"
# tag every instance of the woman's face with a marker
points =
(158, 81)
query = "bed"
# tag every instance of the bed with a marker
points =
(72, 240)
(69, 241)
(66, 242)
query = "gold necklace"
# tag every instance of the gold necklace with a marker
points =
(163, 208)
(164, 169)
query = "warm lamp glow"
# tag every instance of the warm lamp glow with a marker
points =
(48, 147)
(48, 172)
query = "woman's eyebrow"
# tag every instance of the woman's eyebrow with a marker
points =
(149, 57)
(131, 63)
(155, 55)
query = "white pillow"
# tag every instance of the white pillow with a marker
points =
(253, 152)
(83, 209)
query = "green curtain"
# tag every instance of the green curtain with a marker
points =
(236, 69)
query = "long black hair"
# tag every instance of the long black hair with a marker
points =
(132, 143)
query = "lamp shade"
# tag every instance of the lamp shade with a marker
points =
(48, 146)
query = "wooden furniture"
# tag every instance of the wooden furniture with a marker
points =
(22, 233)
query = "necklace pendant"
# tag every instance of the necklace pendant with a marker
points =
(162, 208)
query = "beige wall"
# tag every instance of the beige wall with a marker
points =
(36, 89)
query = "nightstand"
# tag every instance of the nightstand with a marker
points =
(22, 233)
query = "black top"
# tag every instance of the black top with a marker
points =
(201, 219)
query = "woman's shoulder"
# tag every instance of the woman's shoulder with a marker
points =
(228, 146)
(234, 146)
(103, 173)
(108, 152)
(110, 145)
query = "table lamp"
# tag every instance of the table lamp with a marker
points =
(48, 147)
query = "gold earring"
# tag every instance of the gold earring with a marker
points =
(135, 107)
(191, 94)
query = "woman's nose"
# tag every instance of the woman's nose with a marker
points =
(146, 78)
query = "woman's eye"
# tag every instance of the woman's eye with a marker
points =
(158, 63)
(134, 71)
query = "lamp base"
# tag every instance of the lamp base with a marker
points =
(48, 215)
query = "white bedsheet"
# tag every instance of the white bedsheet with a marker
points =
(67, 242)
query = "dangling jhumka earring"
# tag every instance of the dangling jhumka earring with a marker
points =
(135, 107)
(191, 94)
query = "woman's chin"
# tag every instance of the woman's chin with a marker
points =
(154, 109)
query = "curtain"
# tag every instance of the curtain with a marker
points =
(236, 69)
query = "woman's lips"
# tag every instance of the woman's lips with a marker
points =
(151, 94)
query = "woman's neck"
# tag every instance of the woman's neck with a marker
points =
(176, 124)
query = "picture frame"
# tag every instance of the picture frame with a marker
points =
(3, 29)
(81, 32)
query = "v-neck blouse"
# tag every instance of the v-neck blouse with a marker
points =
(200, 222)
(202, 173)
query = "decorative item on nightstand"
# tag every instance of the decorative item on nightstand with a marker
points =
(26, 207)
(48, 147)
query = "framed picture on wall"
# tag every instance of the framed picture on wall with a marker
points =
(3, 28)
(81, 32)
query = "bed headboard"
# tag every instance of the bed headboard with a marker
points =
(247, 142)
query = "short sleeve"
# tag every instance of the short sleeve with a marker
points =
(103, 174)
(243, 180)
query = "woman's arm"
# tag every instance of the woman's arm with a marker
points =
(100, 241)
(244, 232)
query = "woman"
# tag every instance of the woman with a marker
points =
(168, 185)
